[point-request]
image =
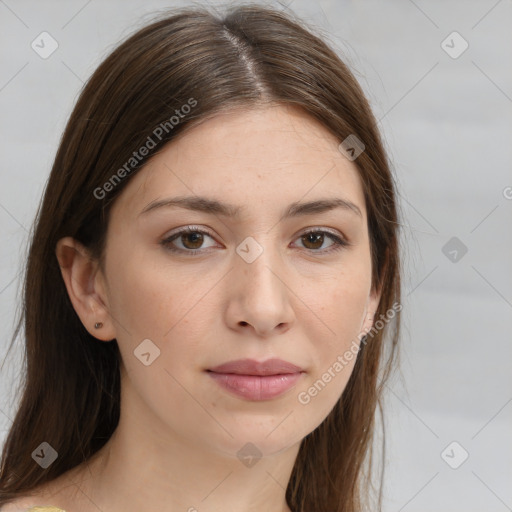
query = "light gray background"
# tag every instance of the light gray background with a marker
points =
(447, 126)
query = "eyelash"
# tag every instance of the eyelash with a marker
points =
(339, 243)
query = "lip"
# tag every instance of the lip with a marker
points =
(255, 380)
(252, 367)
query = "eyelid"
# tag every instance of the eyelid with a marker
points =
(200, 229)
(330, 231)
(340, 241)
(190, 227)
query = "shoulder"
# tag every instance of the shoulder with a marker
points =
(45, 497)
(28, 505)
(45, 509)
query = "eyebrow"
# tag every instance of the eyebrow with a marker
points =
(214, 207)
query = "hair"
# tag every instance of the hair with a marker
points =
(249, 57)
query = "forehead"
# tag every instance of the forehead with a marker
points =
(254, 158)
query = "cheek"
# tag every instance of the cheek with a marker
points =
(339, 307)
(138, 301)
(147, 298)
(339, 304)
(163, 304)
(322, 391)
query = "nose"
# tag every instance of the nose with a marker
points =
(259, 295)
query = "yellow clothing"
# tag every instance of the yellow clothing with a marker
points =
(45, 509)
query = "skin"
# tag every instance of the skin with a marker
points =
(176, 446)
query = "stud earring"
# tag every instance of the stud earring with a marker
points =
(98, 325)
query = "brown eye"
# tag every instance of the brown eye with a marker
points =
(315, 239)
(191, 240)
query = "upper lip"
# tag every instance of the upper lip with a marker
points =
(252, 367)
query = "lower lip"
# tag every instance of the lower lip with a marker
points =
(255, 387)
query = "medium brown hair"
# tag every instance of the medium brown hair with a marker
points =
(245, 58)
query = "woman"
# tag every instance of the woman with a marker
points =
(212, 294)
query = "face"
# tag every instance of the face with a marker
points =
(264, 282)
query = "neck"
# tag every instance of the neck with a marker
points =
(144, 466)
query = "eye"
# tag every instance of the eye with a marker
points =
(192, 239)
(315, 238)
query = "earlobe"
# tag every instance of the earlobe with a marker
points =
(80, 273)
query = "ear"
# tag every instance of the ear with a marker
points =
(371, 307)
(373, 301)
(85, 284)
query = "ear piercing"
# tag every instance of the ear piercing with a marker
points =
(98, 325)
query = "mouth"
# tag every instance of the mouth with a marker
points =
(256, 381)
